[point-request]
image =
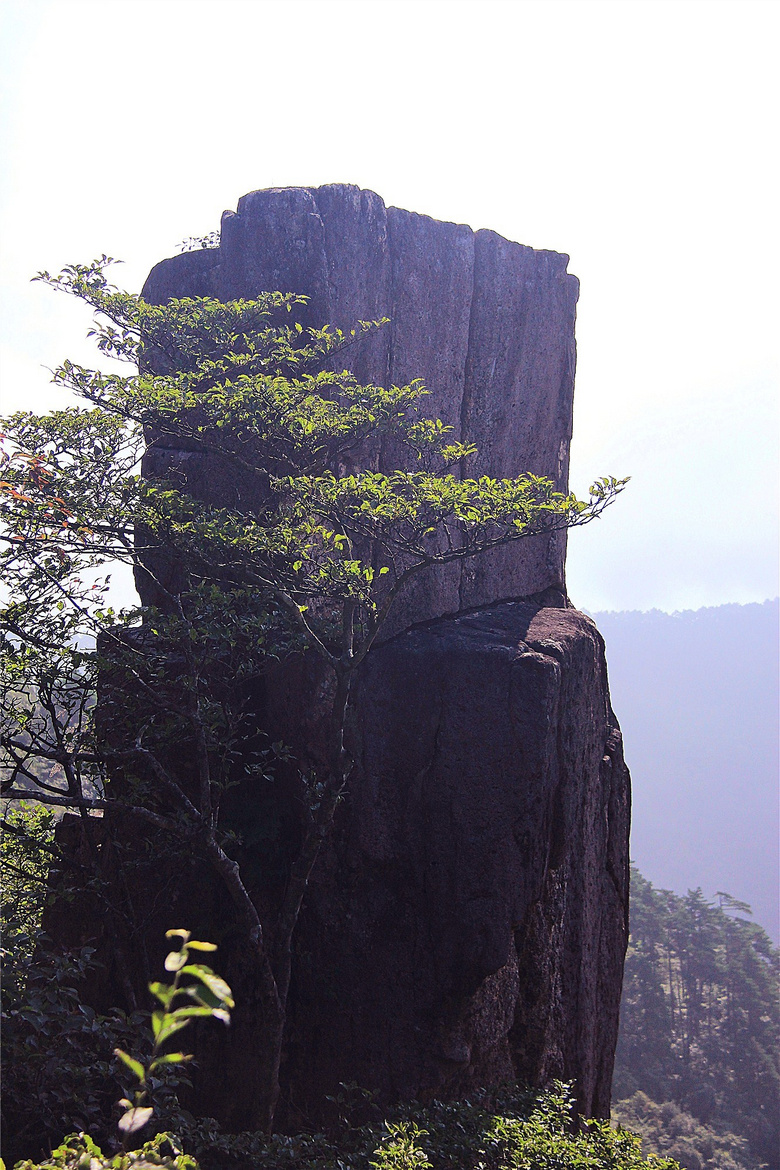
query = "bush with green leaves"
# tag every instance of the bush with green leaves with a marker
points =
(508, 1129)
(64, 1063)
(80, 1152)
(59, 1068)
(466, 1136)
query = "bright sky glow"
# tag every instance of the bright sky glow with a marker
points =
(638, 137)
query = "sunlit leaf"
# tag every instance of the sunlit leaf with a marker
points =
(135, 1119)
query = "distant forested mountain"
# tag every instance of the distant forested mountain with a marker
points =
(697, 1071)
(696, 694)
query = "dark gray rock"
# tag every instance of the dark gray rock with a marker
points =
(487, 324)
(467, 919)
(467, 922)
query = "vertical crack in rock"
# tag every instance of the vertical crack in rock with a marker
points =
(465, 416)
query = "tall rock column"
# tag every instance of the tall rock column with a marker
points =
(466, 920)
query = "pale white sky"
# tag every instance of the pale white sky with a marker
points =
(641, 138)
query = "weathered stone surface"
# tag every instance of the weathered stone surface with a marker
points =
(518, 397)
(487, 324)
(468, 920)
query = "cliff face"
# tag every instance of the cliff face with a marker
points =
(466, 923)
(487, 324)
(467, 919)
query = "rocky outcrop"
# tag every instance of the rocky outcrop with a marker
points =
(466, 920)
(487, 324)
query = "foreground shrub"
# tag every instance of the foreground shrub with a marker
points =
(66, 1065)
(511, 1130)
(508, 1130)
(59, 1069)
(79, 1152)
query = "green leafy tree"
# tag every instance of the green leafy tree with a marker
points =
(309, 557)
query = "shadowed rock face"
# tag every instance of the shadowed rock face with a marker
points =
(467, 922)
(467, 919)
(487, 324)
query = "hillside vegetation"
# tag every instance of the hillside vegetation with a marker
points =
(699, 1047)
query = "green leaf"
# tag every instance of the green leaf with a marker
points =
(163, 992)
(135, 1066)
(171, 1025)
(158, 1018)
(170, 1058)
(185, 1014)
(175, 960)
(215, 985)
(201, 994)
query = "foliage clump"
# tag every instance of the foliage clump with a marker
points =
(507, 1130)
(669, 1131)
(80, 1152)
(26, 851)
(58, 1065)
(65, 1063)
(59, 1068)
